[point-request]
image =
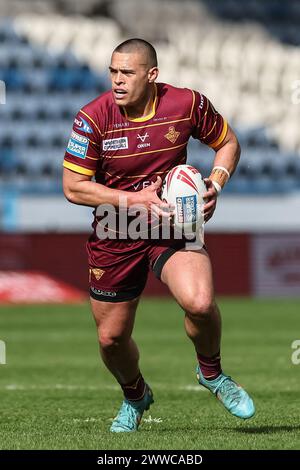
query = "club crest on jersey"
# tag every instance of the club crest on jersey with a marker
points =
(115, 144)
(98, 273)
(172, 134)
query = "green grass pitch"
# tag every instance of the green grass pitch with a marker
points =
(56, 394)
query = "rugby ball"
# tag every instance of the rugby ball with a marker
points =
(183, 187)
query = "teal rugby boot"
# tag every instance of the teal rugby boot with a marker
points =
(129, 417)
(235, 399)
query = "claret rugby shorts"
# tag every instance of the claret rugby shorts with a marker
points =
(118, 269)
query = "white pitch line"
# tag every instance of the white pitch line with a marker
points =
(192, 388)
(149, 420)
(152, 420)
(13, 387)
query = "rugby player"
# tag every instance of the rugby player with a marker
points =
(122, 145)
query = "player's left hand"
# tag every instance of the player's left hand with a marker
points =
(211, 200)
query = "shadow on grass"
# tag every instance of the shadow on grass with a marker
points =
(265, 429)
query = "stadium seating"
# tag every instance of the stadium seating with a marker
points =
(52, 66)
(44, 92)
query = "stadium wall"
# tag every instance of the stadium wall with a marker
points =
(63, 257)
(244, 264)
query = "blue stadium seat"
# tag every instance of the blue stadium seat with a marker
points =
(8, 159)
(7, 31)
(14, 79)
(37, 80)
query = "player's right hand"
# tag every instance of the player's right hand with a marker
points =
(148, 197)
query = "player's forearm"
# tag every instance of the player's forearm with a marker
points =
(88, 193)
(225, 162)
(228, 156)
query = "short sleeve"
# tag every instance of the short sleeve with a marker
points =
(208, 125)
(83, 150)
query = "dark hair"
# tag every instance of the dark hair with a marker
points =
(136, 44)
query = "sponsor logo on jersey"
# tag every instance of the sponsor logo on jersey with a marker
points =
(142, 138)
(172, 134)
(141, 185)
(78, 145)
(82, 125)
(119, 125)
(79, 138)
(98, 273)
(115, 144)
(142, 146)
(201, 101)
(160, 119)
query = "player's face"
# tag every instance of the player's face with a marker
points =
(131, 78)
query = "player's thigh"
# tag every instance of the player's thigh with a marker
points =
(188, 274)
(114, 319)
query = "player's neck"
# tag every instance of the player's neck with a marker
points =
(143, 109)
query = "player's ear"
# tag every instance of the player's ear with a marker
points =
(152, 74)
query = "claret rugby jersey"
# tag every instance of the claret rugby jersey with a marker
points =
(128, 154)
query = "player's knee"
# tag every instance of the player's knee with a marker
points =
(199, 307)
(109, 342)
